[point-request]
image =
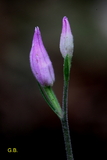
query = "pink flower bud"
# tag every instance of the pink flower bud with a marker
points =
(66, 39)
(40, 63)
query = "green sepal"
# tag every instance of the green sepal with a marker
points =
(67, 67)
(51, 100)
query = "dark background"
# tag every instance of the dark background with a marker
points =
(26, 121)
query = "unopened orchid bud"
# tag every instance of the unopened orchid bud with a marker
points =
(66, 39)
(40, 63)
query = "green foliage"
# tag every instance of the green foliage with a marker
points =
(51, 100)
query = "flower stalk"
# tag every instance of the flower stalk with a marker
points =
(64, 120)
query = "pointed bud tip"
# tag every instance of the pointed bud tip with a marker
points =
(37, 30)
(64, 18)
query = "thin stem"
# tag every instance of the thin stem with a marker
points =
(64, 120)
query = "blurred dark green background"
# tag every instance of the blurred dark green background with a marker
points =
(26, 121)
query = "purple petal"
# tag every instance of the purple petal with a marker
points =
(40, 62)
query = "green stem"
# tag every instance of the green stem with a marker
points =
(64, 120)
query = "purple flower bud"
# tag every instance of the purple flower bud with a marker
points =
(66, 39)
(40, 63)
